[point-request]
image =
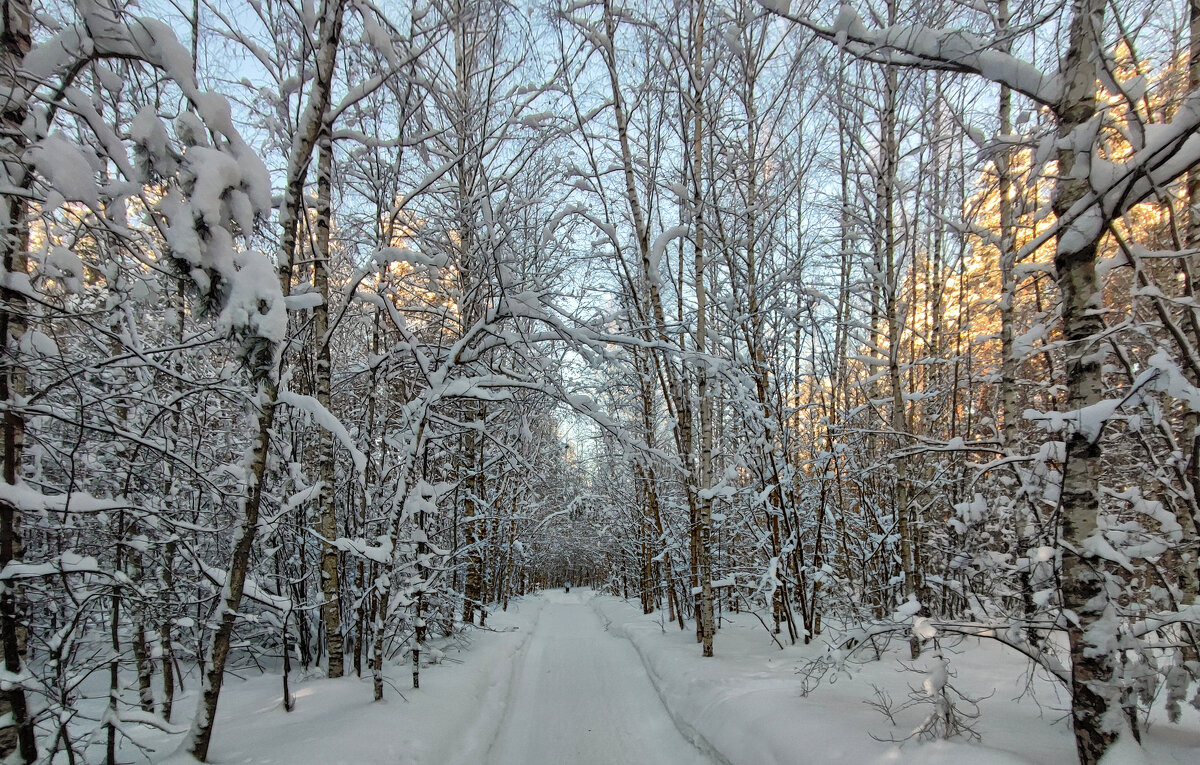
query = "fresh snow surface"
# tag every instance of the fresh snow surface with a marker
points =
(335, 722)
(544, 684)
(581, 696)
(747, 702)
(584, 679)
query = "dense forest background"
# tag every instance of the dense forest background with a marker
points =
(331, 326)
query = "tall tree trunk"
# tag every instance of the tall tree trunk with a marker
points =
(378, 618)
(1009, 364)
(1085, 597)
(200, 735)
(387, 585)
(650, 305)
(1008, 256)
(167, 572)
(419, 628)
(467, 26)
(367, 598)
(141, 654)
(473, 584)
(704, 478)
(331, 604)
(15, 42)
(653, 505)
(892, 304)
(476, 527)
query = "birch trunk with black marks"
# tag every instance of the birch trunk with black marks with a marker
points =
(200, 736)
(650, 307)
(1086, 598)
(331, 605)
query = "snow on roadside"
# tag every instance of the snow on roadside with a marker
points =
(747, 704)
(453, 716)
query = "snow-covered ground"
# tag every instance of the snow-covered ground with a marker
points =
(748, 705)
(545, 684)
(582, 679)
(581, 696)
(454, 716)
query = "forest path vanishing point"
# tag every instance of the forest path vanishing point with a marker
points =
(581, 695)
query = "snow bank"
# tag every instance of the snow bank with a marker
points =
(451, 719)
(747, 704)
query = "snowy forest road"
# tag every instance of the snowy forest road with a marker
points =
(581, 696)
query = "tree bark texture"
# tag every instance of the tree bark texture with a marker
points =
(200, 736)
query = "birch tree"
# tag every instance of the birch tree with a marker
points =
(329, 38)
(1084, 206)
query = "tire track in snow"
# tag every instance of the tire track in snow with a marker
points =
(581, 696)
